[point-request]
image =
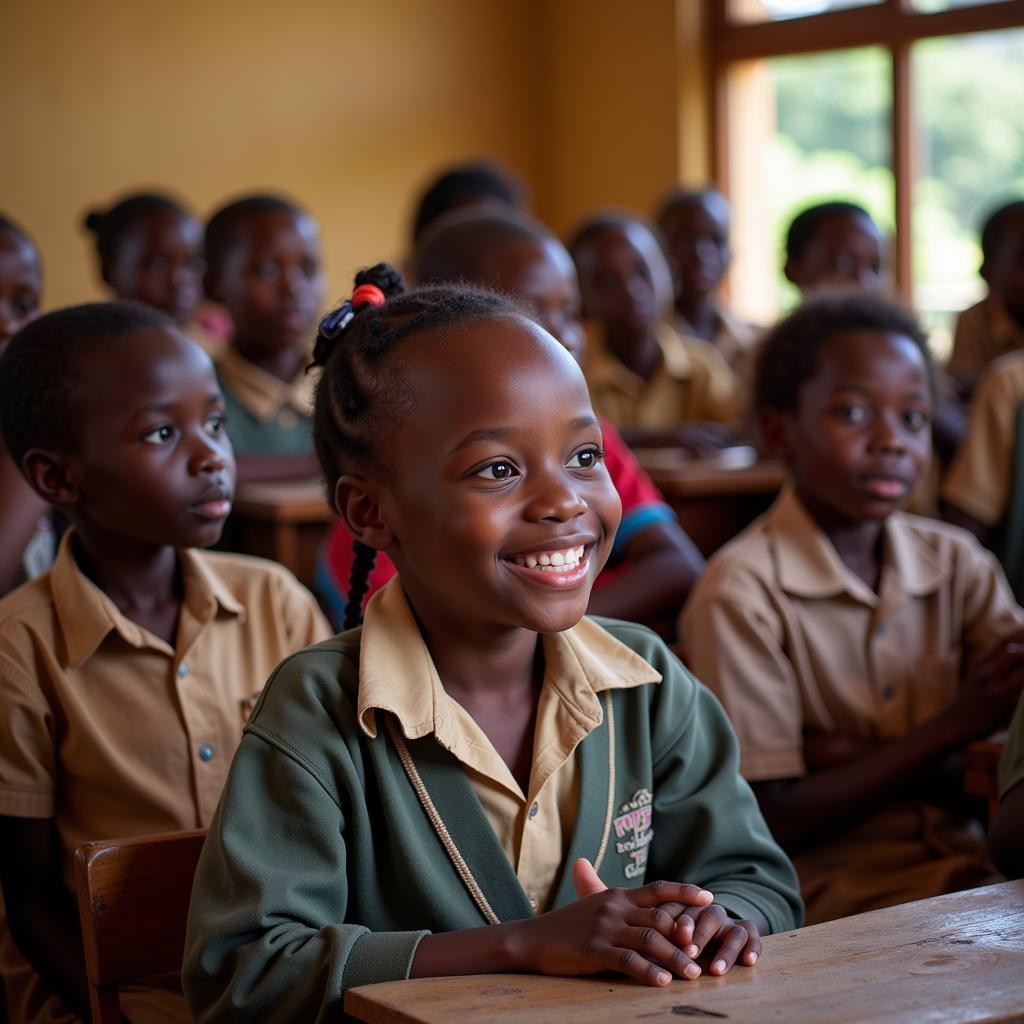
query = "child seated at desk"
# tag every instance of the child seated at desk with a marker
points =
(995, 326)
(150, 249)
(128, 670)
(1006, 829)
(655, 386)
(695, 226)
(854, 647)
(27, 539)
(453, 788)
(653, 563)
(263, 265)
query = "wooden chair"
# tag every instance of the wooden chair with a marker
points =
(133, 897)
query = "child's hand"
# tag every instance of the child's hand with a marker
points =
(708, 931)
(633, 931)
(991, 689)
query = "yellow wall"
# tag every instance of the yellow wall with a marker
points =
(622, 116)
(348, 107)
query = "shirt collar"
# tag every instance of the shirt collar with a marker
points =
(86, 615)
(262, 393)
(808, 565)
(397, 674)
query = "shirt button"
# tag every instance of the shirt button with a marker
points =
(182, 670)
(887, 693)
(205, 753)
(534, 808)
(534, 903)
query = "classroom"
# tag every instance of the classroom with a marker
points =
(512, 509)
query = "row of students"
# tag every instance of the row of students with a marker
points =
(332, 435)
(456, 435)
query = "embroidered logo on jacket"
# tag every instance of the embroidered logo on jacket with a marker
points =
(633, 832)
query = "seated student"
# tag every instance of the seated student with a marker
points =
(479, 779)
(150, 249)
(994, 326)
(656, 387)
(837, 245)
(978, 487)
(27, 538)
(128, 670)
(653, 563)
(1006, 829)
(834, 245)
(855, 647)
(695, 226)
(263, 265)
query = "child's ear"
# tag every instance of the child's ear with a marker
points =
(357, 502)
(776, 433)
(47, 473)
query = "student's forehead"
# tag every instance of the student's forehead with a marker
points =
(846, 229)
(17, 251)
(872, 354)
(275, 227)
(150, 364)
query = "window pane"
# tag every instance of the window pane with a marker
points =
(970, 153)
(931, 6)
(802, 130)
(776, 10)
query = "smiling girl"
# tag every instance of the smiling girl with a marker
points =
(478, 779)
(856, 648)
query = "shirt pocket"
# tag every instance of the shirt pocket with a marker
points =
(936, 685)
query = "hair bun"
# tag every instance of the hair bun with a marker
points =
(93, 221)
(385, 277)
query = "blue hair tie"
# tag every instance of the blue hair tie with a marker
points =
(334, 323)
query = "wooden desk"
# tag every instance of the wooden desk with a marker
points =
(981, 769)
(948, 960)
(714, 498)
(285, 520)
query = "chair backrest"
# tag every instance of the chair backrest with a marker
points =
(133, 897)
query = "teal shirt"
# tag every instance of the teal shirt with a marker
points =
(322, 872)
(287, 432)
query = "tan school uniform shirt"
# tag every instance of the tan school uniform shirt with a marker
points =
(692, 382)
(789, 640)
(112, 732)
(733, 340)
(983, 333)
(535, 827)
(978, 481)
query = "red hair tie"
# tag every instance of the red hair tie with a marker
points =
(367, 295)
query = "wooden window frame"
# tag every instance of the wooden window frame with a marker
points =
(893, 25)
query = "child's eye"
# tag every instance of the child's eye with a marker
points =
(586, 458)
(852, 413)
(500, 469)
(159, 435)
(915, 419)
(215, 424)
(310, 270)
(26, 306)
(158, 265)
(268, 271)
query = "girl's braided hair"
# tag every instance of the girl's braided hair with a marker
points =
(363, 390)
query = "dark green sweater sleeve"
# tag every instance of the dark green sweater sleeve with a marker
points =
(267, 938)
(708, 827)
